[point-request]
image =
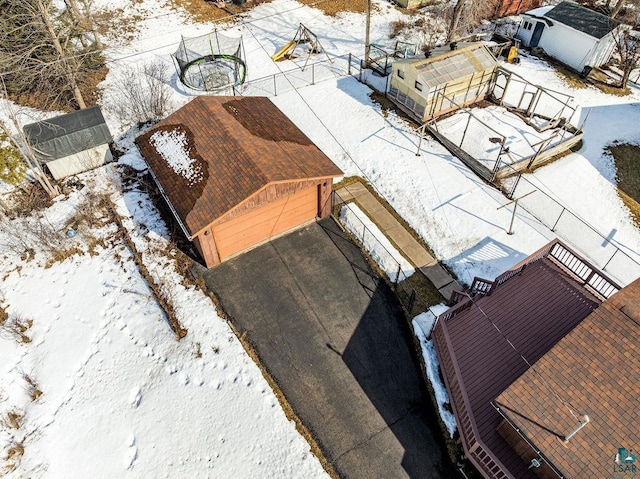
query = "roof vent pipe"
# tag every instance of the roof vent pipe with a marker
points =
(582, 424)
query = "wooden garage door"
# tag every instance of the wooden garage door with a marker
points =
(258, 225)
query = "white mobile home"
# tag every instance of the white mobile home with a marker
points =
(571, 33)
(71, 143)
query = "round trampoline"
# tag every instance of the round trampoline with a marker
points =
(211, 62)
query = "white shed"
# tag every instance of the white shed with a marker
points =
(571, 33)
(71, 143)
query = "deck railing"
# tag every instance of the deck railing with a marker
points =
(581, 270)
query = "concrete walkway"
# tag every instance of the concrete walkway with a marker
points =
(408, 246)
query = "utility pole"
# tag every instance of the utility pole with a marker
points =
(367, 46)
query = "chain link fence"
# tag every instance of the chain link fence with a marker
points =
(406, 280)
(598, 247)
(285, 81)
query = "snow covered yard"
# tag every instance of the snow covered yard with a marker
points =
(482, 139)
(95, 384)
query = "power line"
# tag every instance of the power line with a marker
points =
(565, 403)
(142, 52)
(345, 151)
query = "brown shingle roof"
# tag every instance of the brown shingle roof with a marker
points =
(534, 310)
(595, 370)
(241, 144)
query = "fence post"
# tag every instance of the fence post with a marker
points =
(333, 202)
(364, 230)
(604, 268)
(556, 223)
(275, 92)
(398, 275)
(412, 299)
(349, 65)
(313, 73)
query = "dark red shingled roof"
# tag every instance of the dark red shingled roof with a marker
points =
(534, 309)
(595, 370)
(240, 144)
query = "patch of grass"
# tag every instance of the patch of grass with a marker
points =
(398, 26)
(209, 11)
(60, 255)
(162, 292)
(12, 420)
(627, 160)
(29, 199)
(3, 316)
(334, 7)
(13, 455)
(570, 78)
(17, 327)
(426, 293)
(33, 390)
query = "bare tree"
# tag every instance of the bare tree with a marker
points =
(466, 15)
(433, 29)
(144, 94)
(627, 49)
(20, 144)
(40, 52)
(69, 65)
(455, 19)
(82, 13)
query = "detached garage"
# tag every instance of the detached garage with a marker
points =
(236, 172)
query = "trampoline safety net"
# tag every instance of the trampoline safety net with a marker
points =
(210, 62)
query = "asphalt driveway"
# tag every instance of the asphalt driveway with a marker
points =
(333, 336)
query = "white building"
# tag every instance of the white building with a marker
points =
(71, 143)
(571, 33)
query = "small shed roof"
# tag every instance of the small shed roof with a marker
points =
(68, 134)
(540, 11)
(594, 370)
(446, 65)
(582, 19)
(217, 151)
(523, 317)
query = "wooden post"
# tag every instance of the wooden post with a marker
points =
(515, 207)
(557, 221)
(367, 46)
(464, 133)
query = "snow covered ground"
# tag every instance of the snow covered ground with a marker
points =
(375, 243)
(120, 396)
(480, 135)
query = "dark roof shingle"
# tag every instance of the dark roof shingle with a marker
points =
(583, 19)
(594, 370)
(68, 134)
(533, 310)
(244, 143)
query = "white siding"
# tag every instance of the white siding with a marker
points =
(83, 161)
(571, 47)
(603, 50)
(524, 34)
